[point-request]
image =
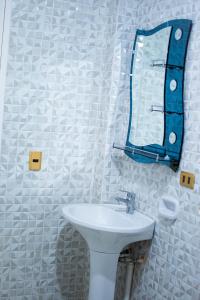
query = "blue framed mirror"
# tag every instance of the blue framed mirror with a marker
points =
(156, 123)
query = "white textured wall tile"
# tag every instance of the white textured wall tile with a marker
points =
(57, 99)
(172, 270)
(67, 95)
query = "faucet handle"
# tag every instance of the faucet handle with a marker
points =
(130, 200)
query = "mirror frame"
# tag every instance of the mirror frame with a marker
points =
(169, 154)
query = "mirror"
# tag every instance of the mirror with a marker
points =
(147, 126)
(156, 123)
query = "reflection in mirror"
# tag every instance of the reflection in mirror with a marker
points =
(148, 73)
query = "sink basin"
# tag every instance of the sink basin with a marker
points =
(107, 229)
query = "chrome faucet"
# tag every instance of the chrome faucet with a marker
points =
(129, 201)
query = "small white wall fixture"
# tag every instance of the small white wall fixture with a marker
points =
(5, 13)
(168, 209)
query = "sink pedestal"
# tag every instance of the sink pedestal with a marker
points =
(103, 269)
(106, 232)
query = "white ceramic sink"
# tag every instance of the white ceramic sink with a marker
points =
(107, 229)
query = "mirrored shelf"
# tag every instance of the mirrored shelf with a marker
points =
(161, 64)
(158, 108)
(134, 150)
(156, 120)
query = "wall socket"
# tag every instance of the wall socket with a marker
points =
(187, 180)
(35, 160)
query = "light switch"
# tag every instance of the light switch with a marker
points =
(35, 160)
(187, 180)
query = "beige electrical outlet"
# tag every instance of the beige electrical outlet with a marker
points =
(187, 180)
(35, 159)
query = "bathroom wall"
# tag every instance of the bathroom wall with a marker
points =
(172, 270)
(60, 59)
(67, 95)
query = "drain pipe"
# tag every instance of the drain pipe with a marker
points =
(127, 258)
(129, 277)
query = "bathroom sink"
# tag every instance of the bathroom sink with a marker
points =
(107, 229)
